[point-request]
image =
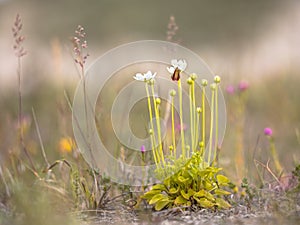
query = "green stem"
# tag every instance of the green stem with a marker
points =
(173, 127)
(191, 116)
(194, 116)
(153, 142)
(153, 150)
(217, 125)
(197, 130)
(211, 126)
(20, 115)
(203, 117)
(181, 119)
(275, 156)
(158, 126)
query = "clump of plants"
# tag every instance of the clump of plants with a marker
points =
(193, 184)
(187, 171)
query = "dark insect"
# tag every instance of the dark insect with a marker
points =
(176, 74)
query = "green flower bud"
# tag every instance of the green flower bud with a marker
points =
(193, 76)
(199, 110)
(204, 82)
(172, 92)
(201, 144)
(150, 131)
(217, 79)
(189, 81)
(158, 101)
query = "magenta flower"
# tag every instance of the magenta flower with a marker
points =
(268, 131)
(230, 89)
(178, 127)
(243, 85)
(143, 149)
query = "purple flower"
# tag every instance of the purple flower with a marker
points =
(230, 89)
(143, 149)
(268, 131)
(243, 85)
(178, 127)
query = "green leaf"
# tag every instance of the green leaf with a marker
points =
(161, 204)
(222, 192)
(207, 185)
(180, 200)
(156, 198)
(209, 196)
(222, 180)
(221, 203)
(188, 194)
(200, 194)
(159, 187)
(182, 179)
(203, 202)
(150, 194)
(167, 182)
(173, 190)
(206, 194)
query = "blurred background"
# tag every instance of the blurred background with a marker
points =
(257, 41)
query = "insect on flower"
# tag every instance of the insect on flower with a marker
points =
(177, 67)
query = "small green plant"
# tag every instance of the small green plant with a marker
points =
(296, 174)
(279, 169)
(250, 191)
(191, 177)
(193, 184)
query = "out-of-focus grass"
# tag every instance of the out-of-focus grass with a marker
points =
(52, 112)
(270, 102)
(37, 204)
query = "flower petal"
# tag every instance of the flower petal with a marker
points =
(174, 63)
(149, 75)
(182, 65)
(171, 69)
(139, 77)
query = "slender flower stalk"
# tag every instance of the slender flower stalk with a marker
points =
(199, 110)
(217, 81)
(154, 150)
(80, 45)
(143, 150)
(268, 132)
(213, 89)
(192, 125)
(148, 78)
(156, 102)
(195, 127)
(19, 53)
(151, 132)
(181, 120)
(173, 93)
(177, 67)
(204, 84)
(275, 156)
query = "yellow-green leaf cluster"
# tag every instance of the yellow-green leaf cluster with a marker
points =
(193, 184)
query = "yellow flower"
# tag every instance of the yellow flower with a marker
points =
(66, 144)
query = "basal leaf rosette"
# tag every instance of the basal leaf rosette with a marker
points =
(193, 185)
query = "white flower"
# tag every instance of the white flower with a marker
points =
(145, 77)
(177, 64)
